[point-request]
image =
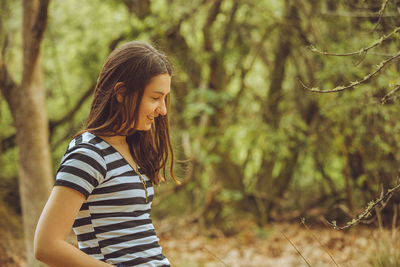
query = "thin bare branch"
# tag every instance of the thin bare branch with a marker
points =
(71, 113)
(380, 54)
(303, 222)
(230, 24)
(382, 201)
(361, 59)
(359, 14)
(185, 16)
(390, 95)
(213, 13)
(296, 249)
(380, 12)
(215, 256)
(355, 83)
(360, 51)
(246, 69)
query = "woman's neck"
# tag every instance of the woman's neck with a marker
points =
(119, 140)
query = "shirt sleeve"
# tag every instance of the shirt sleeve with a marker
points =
(82, 168)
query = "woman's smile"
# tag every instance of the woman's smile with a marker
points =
(153, 102)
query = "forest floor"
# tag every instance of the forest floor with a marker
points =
(272, 245)
(277, 245)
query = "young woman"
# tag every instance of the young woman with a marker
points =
(104, 185)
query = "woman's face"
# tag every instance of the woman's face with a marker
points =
(153, 101)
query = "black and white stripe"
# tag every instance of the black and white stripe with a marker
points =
(113, 224)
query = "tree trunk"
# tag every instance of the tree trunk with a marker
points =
(28, 107)
(266, 183)
(34, 167)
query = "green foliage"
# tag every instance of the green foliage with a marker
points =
(74, 49)
(202, 102)
(323, 144)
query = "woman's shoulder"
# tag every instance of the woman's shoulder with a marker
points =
(87, 140)
(87, 144)
(83, 166)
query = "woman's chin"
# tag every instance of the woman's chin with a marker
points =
(144, 128)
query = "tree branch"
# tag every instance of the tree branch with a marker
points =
(380, 12)
(7, 85)
(141, 8)
(229, 25)
(34, 33)
(183, 18)
(10, 141)
(358, 52)
(371, 206)
(72, 112)
(214, 11)
(359, 14)
(39, 25)
(294, 246)
(355, 83)
(390, 95)
(244, 70)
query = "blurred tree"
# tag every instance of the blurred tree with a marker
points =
(259, 146)
(27, 104)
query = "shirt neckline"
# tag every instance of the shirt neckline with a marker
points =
(119, 153)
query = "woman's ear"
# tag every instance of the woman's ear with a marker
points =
(120, 91)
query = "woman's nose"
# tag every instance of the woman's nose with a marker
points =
(162, 109)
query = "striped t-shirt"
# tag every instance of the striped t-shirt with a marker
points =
(113, 224)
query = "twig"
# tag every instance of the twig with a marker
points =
(381, 54)
(355, 83)
(358, 14)
(394, 219)
(303, 221)
(380, 12)
(360, 51)
(295, 248)
(361, 59)
(368, 211)
(215, 256)
(389, 95)
(385, 100)
(395, 98)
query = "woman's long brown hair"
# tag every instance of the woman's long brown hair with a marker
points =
(134, 64)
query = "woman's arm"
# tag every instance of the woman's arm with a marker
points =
(53, 227)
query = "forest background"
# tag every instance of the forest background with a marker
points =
(252, 144)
